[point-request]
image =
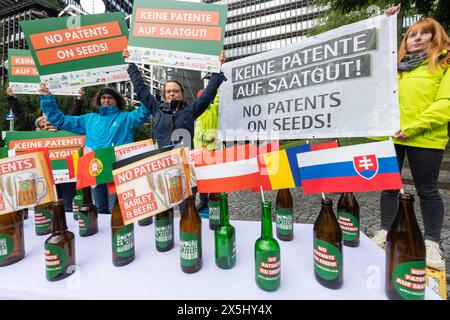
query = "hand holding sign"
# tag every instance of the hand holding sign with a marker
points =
(43, 90)
(9, 92)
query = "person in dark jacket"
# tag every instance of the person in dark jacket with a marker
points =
(174, 118)
(65, 191)
(174, 113)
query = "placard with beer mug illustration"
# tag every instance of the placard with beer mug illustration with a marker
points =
(25, 181)
(152, 185)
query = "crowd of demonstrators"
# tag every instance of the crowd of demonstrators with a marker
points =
(424, 97)
(111, 126)
(173, 117)
(205, 136)
(64, 191)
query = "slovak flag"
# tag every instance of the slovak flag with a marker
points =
(229, 169)
(363, 167)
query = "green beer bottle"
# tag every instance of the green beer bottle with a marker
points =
(284, 215)
(87, 215)
(122, 238)
(225, 237)
(146, 222)
(328, 268)
(405, 254)
(348, 218)
(190, 238)
(59, 247)
(214, 210)
(164, 230)
(77, 202)
(267, 254)
(43, 214)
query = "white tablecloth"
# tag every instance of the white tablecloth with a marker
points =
(158, 275)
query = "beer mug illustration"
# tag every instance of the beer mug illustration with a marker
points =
(176, 184)
(26, 187)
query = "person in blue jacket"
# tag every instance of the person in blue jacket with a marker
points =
(109, 127)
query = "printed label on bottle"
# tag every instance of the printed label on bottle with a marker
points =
(76, 204)
(123, 241)
(55, 260)
(327, 260)
(6, 246)
(268, 266)
(43, 220)
(409, 280)
(214, 212)
(190, 248)
(285, 221)
(349, 225)
(163, 233)
(83, 221)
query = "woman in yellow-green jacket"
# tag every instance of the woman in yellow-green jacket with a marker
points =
(424, 98)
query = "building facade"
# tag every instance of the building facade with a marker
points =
(255, 26)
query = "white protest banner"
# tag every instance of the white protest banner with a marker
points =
(153, 184)
(342, 83)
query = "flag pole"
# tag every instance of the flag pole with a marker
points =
(323, 196)
(262, 192)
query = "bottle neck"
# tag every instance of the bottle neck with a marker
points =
(266, 227)
(80, 192)
(59, 218)
(87, 196)
(224, 216)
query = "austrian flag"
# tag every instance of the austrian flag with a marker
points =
(230, 169)
(363, 167)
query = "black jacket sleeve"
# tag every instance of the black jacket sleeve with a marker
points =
(203, 102)
(142, 90)
(20, 113)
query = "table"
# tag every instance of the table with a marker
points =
(158, 275)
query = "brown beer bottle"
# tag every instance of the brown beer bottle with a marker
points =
(43, 215)
(328, 260)
(59, 247)
(348, 218)
(12, 246)
(214, 210)
(284, 215)
(87, 215)
(164, 231)
(122, 238)
(405, 254)
(190, 238)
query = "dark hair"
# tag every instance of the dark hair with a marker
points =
(174, 81)
(121, 104)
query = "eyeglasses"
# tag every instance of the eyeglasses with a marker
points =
(107, 98)
(173, 91)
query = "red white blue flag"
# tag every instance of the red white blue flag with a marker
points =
(363, 167)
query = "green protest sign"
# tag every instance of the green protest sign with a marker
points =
(60, 145)
(78, 51)
(177, 34)
(23, 75)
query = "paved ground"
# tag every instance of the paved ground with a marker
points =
(245, 205)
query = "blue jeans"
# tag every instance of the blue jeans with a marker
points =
(425, 165)
(103, 201)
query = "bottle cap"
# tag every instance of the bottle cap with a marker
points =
(406, 196)
(327, 202)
